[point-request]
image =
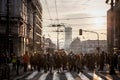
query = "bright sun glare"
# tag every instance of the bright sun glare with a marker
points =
(99, 23)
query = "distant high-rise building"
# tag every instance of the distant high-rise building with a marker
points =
(68, 37)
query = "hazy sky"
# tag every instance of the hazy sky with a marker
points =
(82, 14)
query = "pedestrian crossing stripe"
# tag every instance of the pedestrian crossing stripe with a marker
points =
(90, 73)
(43, 76)
(96, 77)
(69, 76)
(32, 75)
(83, 77)
(56, 76)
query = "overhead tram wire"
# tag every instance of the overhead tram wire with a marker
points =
(56, 11)
(81, 18)
(67, 18)
(76, 18)
(48, 9)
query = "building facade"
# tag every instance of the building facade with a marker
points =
(113, 27)
(49, 46)
(110, 31)
(117, 26)
(34, 26)
(18, 25)
(88, 46)
(68, 37)
(75, 46)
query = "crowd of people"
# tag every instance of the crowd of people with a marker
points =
(61, 60)
(14, 62)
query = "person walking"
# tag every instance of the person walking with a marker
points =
(17, 65)
(119, 62)
(14, 62)
(25, 61)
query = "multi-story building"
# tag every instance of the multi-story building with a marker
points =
(34, 26)
(91, 46)
(68, 37)
(113, 29)
(75, 46)
(110, 31)
(20, 25)
(117, 25)
(88, 46)
(49, 46)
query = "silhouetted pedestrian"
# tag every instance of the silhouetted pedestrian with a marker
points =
(17, 65)
(119, 62)
(25, 61)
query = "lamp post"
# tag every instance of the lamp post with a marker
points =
(7, 45)
(84, 44)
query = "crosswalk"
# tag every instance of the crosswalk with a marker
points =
(35, 75)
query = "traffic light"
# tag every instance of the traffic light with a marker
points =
(80, 32)
(56, 25)
(53, 25)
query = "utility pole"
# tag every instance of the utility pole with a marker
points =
(58, 26)
(57, 38)
(7, 45)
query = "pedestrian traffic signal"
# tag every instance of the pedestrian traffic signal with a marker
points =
(80, 32)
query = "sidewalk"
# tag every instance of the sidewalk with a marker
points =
(14, 76)
(13, 73)
(105, 75)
